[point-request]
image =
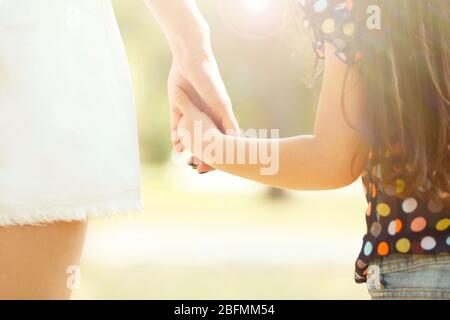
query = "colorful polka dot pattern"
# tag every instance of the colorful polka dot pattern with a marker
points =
(395, 224)
(333, 21)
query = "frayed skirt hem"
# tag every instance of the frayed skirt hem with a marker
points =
(72, 213)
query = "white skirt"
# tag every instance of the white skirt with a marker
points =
(68, 136)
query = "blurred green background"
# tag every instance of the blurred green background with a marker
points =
(215, 236)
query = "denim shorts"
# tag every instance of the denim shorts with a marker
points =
(408, 276)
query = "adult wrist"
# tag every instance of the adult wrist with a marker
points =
(190, 40)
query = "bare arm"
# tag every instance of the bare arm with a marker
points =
(321, 161)
(183, 24)
(194, 67)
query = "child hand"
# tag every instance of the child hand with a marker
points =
(195, 128)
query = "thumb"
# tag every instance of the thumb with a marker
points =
(183, 103)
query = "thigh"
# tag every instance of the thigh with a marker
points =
(34, 260)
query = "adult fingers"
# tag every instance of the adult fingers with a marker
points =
(229, 124)
(175, 116)
(184, 103)
(209, 85)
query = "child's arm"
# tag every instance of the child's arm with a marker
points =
(321, 161)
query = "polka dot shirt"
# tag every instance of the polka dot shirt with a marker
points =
(395, 224)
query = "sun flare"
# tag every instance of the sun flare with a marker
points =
(257, 7)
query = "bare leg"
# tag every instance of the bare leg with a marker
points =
(34, 259)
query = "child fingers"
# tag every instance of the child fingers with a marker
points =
(193, 162)
(204, 168)
(199, 165)
(192, 165)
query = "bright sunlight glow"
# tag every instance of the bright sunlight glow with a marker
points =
(257, 7)
(254, 18)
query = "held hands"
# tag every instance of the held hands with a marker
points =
(197, 92)
(194, 127)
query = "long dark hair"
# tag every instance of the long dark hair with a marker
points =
(406, 70)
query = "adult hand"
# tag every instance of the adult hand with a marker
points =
(197, 75)
(194, 68)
